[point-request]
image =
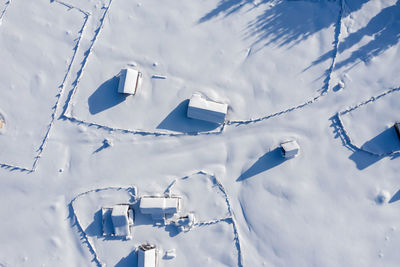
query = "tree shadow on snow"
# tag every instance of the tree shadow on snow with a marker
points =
(178, 121)
(267, 161)
(106, 96)
(384, 31)
(282, 22)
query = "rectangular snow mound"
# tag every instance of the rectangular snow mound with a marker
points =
(147, 256)
(159, 206)
(206, 110)
(117, 220)
(130, 81)
(290, 149)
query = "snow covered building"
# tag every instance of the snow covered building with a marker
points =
(203, 109)
(290, 149)
(117, 220)
(147, 256)
(158, 207)
(130, 81)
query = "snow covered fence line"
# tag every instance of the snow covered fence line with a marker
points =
(58, 95)
(137, 131)
(344, 135)
(325, 87)
(85, 60)
(7, 4)
(234, 225)
(229, 219)
(75, 220)
(243, 122)
(62, 86)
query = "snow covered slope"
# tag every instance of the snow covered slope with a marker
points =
(323, 73)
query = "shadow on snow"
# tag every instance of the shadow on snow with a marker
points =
(178, 121)
(268, 161)
(106, 96)
(384, 31)
(282, 22)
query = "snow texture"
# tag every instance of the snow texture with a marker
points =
(324, 73)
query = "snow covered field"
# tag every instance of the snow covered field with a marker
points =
(324, 73)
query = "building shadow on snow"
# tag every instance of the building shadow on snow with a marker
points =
(268, 161)
(395, 197)
(106, 96)
(178, 121)
(128, 261)
(364, 159)
(95, 228)
(384, 143)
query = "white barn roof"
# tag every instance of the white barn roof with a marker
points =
(119, 216)
(129, 81)
(159, 205)
(207, 110)
(147, 256)
(290, 149)
(117, 220)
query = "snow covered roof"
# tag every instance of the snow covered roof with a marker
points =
(117, 220)
(147, 256)
(290, 148)
(202, 109)
(159, 205)
(119, 216)
(129, 81)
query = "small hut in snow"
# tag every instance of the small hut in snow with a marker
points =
(203, 109)
(158, 207)
(130, 81)
(147, 256)
(290, 149)
(117, 220)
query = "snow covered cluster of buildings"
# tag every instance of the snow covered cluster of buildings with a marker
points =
(118, 220)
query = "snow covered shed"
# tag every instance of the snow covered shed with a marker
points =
(290, 149)
(147, 256)
(158, 207)
(117, 220)
(130, 81)
(203, 109)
